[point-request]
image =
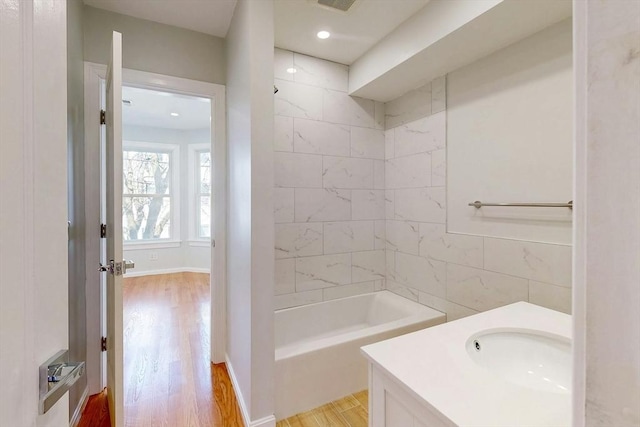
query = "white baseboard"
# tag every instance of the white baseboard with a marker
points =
(269, 421)
(167, 271)
(77, 414)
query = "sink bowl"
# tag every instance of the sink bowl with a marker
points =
(525, 358)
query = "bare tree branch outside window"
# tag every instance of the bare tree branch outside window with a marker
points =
(146, 207)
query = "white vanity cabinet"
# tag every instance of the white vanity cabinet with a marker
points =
(497, 368)
(390, 405)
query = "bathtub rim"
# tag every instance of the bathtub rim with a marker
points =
(424, 314)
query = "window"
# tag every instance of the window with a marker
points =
(149, 207)
(203, 194)
(200, 201)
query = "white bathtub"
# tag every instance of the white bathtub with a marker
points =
(318, 346)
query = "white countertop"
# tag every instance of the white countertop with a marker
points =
(433, 365)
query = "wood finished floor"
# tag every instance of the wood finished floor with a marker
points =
(96, 413)
(168, 377)
(350, 411)
(169, 380)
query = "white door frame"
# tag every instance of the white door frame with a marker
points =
(93, 75)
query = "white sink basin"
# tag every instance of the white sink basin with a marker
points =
(524, 357)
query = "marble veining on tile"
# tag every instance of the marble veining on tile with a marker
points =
(322, 271)
(368, 266)
(300, 101)
(323, 204)
(367, 143)
(422, 136)
(421, 204)
(403, 236)
(346, 172)
(483, 290)
(314, 137)
(348, 236)
(408, 172)
(283, 205)
(329, 200)
(421, 273)
(295, 169)
(408, 107)
(367, 204)
(294, 240)
(321, 73)
(283, 133)
(360, 204)
(462, 249)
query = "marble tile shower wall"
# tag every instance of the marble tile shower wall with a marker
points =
(454, 273)
(359, 208)
(329, 179)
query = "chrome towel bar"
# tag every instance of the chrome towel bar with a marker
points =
(478, 204)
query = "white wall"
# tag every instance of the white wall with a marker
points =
(329, 178)
(33, 212)
(250, 339)
(509, 127)
(185, 254)
(154, 47)
(459, 274)
(607, 249)
(444, 36)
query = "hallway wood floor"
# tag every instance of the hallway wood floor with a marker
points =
(168, 377)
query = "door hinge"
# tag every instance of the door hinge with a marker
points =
(103, 117)
(103, 343)
(103, 231)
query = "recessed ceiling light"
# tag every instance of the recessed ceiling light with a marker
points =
(323, 34)
(175, 114)
(291, 70)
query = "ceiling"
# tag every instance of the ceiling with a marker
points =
(352, 32)
(296, 21)
(153, 108)
(206, 16)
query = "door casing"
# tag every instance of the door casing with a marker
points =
(94, 75)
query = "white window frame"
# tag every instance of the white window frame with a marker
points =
(174, 194)
(194, 184)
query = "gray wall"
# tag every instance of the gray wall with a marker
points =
(250, 248)
(153, 47)
(75, 156)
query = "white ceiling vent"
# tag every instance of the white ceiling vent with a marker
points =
(341, 5)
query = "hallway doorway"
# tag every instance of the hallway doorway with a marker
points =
(174, 185)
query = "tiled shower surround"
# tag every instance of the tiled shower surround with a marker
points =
(329, 178)
(359, 208)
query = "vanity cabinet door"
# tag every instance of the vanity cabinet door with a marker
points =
(390, 405)
(396, 415)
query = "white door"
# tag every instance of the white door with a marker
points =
(115, 263)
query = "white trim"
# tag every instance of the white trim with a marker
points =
(194, 215)
(77, 414)
(217, 93)
(200, 243)
(140, 245)
(167, 271)
(269, 421)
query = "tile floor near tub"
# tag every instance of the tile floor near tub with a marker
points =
(350, 411)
